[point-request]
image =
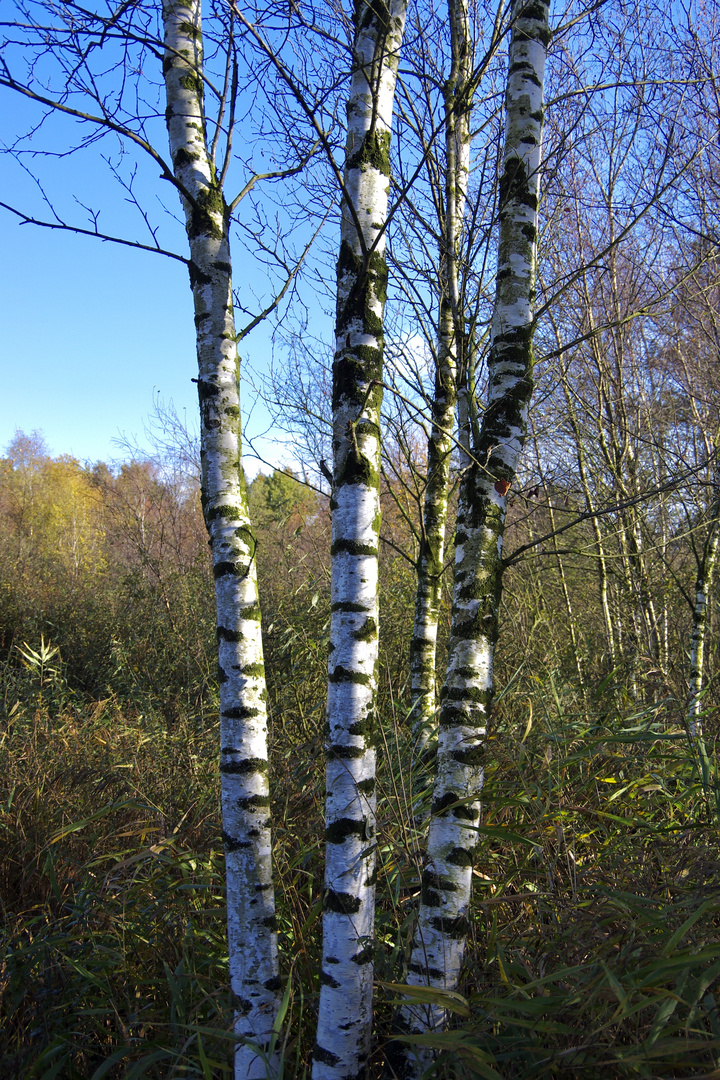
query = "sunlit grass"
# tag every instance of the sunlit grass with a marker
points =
(595, 942)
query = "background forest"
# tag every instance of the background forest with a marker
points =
(594, 942)
(593, 936)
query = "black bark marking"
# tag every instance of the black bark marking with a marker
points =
(342, 903)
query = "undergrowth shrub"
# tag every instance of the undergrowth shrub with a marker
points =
(594, 945)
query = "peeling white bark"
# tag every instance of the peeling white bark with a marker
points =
(345, 1012)
(252, 936)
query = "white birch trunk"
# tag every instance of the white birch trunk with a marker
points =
(252, 936)
(572, 624)
(451, 335)
(603, 583)
(446, 883)
(345, 1012)
(703, 589)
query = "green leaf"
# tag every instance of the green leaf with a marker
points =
(207, 1071)
(108, 1064)
(280, 1018)
(456, 1042)
(141, 1067)
(501, 833)
(667, 1008)
(682, 930)
(429, 995)
(76, 826)
(616, 987)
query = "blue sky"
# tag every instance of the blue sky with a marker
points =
(90, 333)
(93, 331)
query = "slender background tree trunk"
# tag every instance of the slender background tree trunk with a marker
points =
(451, 335)
(707, 569)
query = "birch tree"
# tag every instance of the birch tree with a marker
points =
(345, 1012)
(693, 350)
(704, 584)
(65, 61)
(618, 205)
(442, 925)
(438, 254)
(457, 94)
(252, 935)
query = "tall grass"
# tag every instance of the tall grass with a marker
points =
(595, 943)
(596, 948)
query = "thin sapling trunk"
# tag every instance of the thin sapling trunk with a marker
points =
(451, 334)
